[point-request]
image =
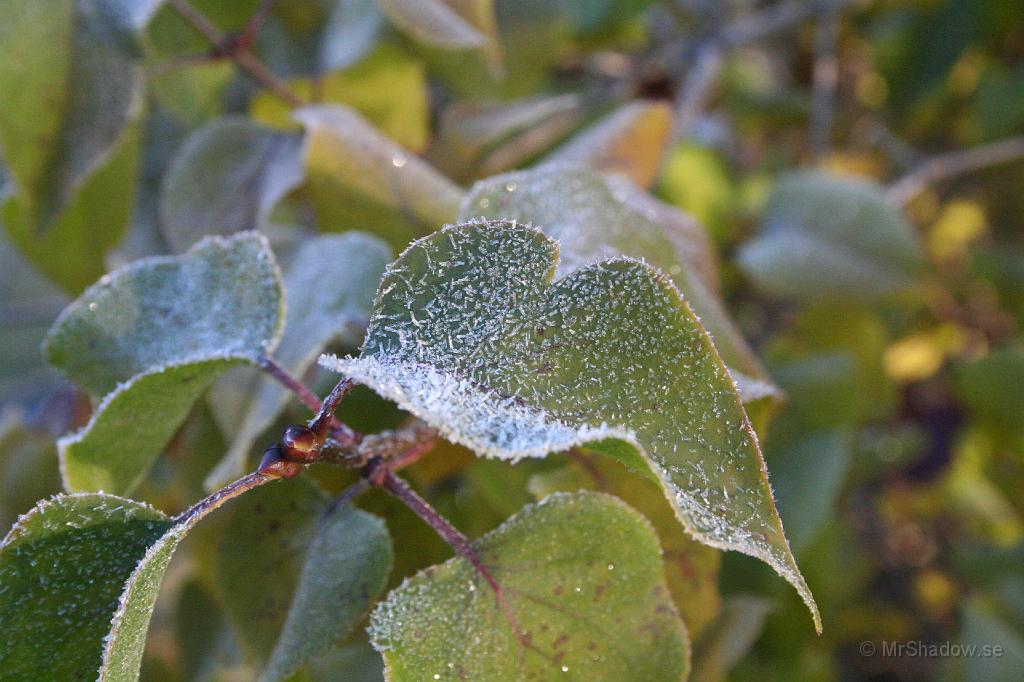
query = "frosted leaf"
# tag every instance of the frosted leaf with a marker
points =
(595, 218)
(329, 290)
(152, 336)
(226, 178)
(79, 575)
(631, 140)
(360, 179)
(831, 237)
(574, 619)
(472, 333)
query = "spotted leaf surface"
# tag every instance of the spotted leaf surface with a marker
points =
(152, 336)
(79, 575)
(583, 599)
(472, 332)
(595, 218)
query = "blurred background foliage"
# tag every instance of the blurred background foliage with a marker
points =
(889, 311)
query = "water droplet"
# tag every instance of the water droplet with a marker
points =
(565, 668)
(93, 306)
(485, 202)
(510, 186)
(611, 567)
(437, 676)
(398, 160)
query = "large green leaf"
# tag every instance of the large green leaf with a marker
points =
(67, 129)
(152, 336)
(297, 573)
(471, 333)
(346, 269)
(359, 179)
(582, 598)
(79, 576)
(226, 178)
(595, 217)
(826, 236)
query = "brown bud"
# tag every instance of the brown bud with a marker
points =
(274, 464)
(300, 444)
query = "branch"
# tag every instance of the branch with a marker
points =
(229, 492)
(281, 375)
(952, 164)
(237, 50)
(826, 78)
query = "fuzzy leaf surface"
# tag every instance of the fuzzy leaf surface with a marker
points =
(581, 578)
(152, 336)
(472, 333)
(595, 218)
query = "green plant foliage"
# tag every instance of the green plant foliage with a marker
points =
(361, 180)
(297, 573)
(471, 334)
(81, 574)
(573, 568)
(449, 24)
(216, 306)
(594, 218)
(347, 267)
(831, 237)
(226, 178)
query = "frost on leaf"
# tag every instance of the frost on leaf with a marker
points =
(151, 337)
(595, 218)
(329, 287)
(582, 598)
(830, 237)
(79, 575)
(472, 333)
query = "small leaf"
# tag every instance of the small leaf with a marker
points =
(450, 24)
(226, 178)
(79, 576)
(296, 574)
(826, 236)
(478, 140)
(631, 140)
(581, 580)
(153, 335)
(595, 217)
(359, 179)
(345, 269)
(316, 37)
(471, 334)
(346, 569)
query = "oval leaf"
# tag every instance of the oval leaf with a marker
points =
(471, 334)
(155, 334)
(584, 599)
(831, 237)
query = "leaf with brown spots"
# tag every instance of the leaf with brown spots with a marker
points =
(582, 598)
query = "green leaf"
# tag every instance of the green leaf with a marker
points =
(631, 140)
(831, 237)
(581, 580)
(226, 178)
(59, 142)
(359, 179)
(345, 269)
(691, 569)
(448, 24)
(346, 569)
(28, 465)
(79, 576)
(315, 37)
(595, 217)
(478, 140)
(990, 388)
(471, 334)
(152, 336)
(729, 637)
(297, 574)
